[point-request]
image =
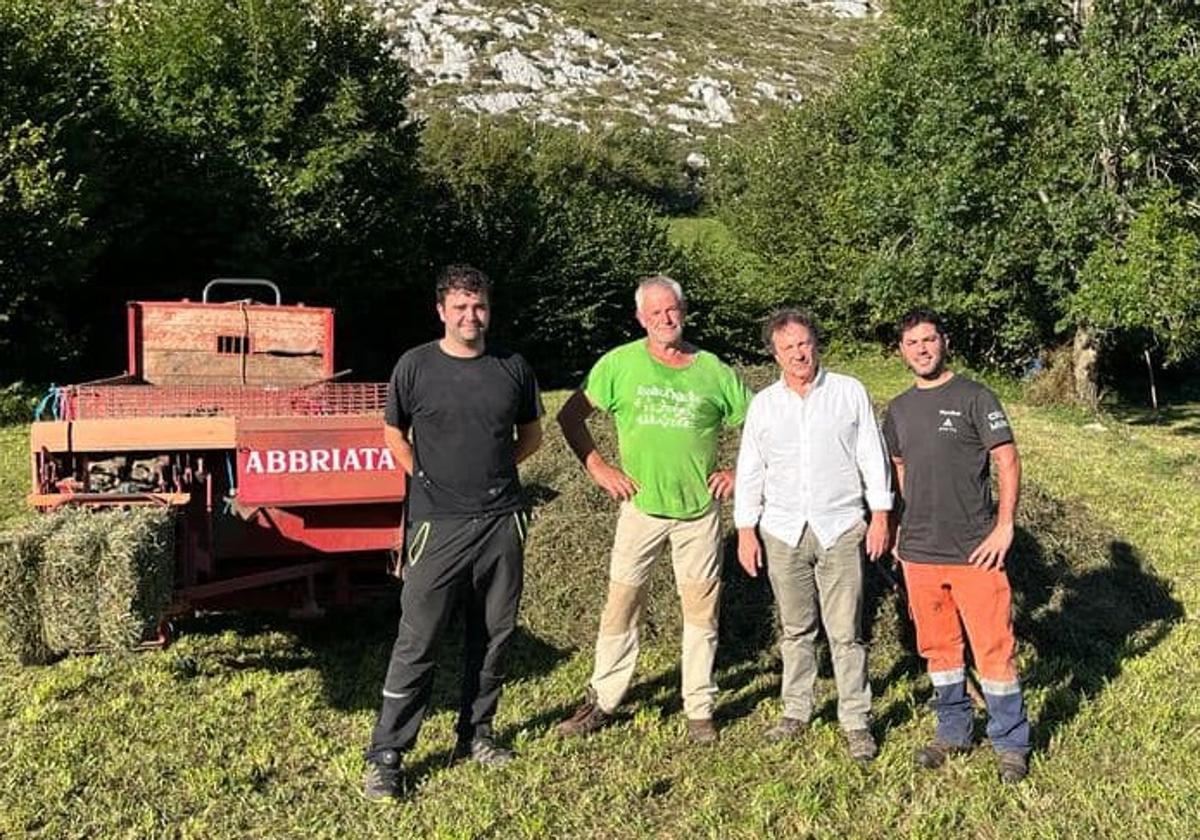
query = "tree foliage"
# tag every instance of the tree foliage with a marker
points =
(992, 159)
(50, 104)
(149, 145)
(559, 226)
(262, 137)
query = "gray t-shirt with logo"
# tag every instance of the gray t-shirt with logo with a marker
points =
(943, 435)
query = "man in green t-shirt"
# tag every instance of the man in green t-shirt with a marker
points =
(669, 401)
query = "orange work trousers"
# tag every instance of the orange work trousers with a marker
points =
(943, 599)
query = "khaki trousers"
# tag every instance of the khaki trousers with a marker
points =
(695, 558)
(814, 584)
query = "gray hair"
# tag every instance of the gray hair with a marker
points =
(662, 281)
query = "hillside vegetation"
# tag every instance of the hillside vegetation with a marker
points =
(250, 726)
(691, 68)
(1028, 166)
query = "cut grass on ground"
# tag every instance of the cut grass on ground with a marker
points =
(250, 726)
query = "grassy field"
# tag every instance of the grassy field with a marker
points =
(253, 727)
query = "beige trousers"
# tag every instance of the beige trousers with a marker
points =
(815, 585)
(695, 558)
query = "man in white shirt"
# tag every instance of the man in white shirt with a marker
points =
(811, 455)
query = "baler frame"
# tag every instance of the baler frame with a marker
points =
(263, 474)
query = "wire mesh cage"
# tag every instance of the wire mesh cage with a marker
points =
(325, 399)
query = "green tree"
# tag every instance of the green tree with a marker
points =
(563, 234)
(265, 137)
(1149, 283)
(920, 179)
(992, 159)
(51, 102)
(1135, 83)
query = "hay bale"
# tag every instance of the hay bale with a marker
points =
(81, 579)
(135, 575)
(67, 581)
(20, 617)
(1055, 384)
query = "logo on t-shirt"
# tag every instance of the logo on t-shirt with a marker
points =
(667, 407)
(947, 423)
(997, 420)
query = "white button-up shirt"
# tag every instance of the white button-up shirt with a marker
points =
(811, 460)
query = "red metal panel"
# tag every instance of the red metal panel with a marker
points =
(183, 343)
(328, 343)
(322, 462)
(133, 333)
(300, 531)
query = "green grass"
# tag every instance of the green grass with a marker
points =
(686, 231)
(14, 472)
(253, 727)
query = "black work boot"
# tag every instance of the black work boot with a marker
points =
(382, 780)
(1013, 766)
(934, 754)
(482, 749)
(785, 729)
(861, 744)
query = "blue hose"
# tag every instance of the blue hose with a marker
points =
(53, 398)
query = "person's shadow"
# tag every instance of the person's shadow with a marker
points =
(1084, 600)
(351, 649)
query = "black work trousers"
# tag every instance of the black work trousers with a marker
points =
(480, 561)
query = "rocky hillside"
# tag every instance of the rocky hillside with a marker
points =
(689, 66)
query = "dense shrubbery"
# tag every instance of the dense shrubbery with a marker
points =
(51, 104)
(152, 145)
(1027, 171)
(563, 228)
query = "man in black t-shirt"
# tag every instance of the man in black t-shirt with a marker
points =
(943, 434)
(461, 414)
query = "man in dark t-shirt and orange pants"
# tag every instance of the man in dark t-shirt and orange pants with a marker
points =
(461, 414)
(942, 433)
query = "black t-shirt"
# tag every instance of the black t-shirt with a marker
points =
(943, 435)
(460, 414)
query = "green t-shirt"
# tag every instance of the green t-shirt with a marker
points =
(668, 422)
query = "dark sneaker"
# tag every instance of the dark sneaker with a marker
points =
(861, 744)
(702, 731)
(1012, 765)
(483, 750)
(586, 719)
(934, 754)
(785, 729)
(382, 779)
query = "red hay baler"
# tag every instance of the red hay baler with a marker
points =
(232, 414)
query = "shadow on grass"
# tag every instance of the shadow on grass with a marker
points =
(1182, 420)
(351, 650)
(1179, 403)
(1086, 601)
(1083, 600)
